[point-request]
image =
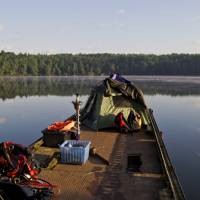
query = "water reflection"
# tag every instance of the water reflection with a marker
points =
(10, 87)
(3, 120)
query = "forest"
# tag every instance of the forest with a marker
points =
(12, 64)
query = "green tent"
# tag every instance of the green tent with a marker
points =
(107, 99)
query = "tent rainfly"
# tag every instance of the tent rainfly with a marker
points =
(108, 98)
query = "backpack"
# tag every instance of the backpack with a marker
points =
(15, 160)
(134, 120)
(120, 123)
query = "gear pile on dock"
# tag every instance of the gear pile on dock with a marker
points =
(19, 174)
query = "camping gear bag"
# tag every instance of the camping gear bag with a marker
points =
(134, 121)
(61, 125)
(120, 123)
(54, 138)
(56, 133)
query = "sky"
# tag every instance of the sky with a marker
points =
(100, 26)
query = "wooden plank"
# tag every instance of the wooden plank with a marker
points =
(148, 175)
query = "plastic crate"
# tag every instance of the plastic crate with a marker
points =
(75, 151)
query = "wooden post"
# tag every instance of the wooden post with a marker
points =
(77, 104)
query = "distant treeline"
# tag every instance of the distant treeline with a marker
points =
(98, 64)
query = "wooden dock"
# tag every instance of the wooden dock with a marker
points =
(106, 174)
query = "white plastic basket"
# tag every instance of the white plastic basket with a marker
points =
(75, 151)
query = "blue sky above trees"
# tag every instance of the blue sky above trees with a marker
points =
(100, 26)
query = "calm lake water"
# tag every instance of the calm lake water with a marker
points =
(28, 105)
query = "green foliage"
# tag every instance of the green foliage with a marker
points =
(98, 64)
